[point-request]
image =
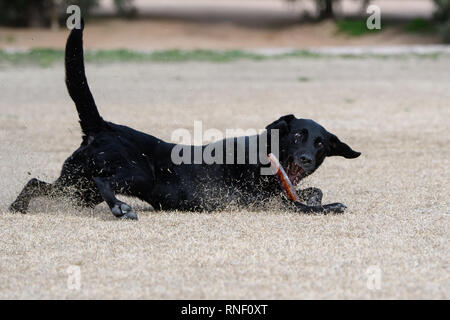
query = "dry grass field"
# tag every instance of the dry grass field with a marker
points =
(396, 111)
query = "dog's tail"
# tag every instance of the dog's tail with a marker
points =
(76, 82)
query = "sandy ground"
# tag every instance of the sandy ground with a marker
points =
(395, 111)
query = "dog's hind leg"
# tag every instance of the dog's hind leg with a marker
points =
(83, 193)
(34, 188)
(118, 208)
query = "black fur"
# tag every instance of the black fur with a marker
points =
(77, 85)
(114, 159)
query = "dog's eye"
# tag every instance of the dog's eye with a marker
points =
(319, 145)
(297, 137)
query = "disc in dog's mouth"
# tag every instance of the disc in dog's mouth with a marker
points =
(295, 172)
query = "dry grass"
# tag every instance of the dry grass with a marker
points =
(395, 111)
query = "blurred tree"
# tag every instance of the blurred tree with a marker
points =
(39, 13)
(442, 10)
(442, 15)
(125, 8)
(325, 9)
(19, 12)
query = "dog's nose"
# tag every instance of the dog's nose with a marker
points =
(306, 160)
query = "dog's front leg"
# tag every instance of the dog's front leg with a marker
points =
(118, 208)
(311, 196)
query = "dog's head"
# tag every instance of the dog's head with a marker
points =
(304, 144)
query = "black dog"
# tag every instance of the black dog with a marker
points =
(115, 159)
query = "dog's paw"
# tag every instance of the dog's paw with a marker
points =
(130, 215)
(124, 211)
(334, 208)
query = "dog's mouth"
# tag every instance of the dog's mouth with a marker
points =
(295, 172)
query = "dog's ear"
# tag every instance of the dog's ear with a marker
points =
(338, 148)
(281, 124)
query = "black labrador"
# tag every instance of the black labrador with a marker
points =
(115, 159)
